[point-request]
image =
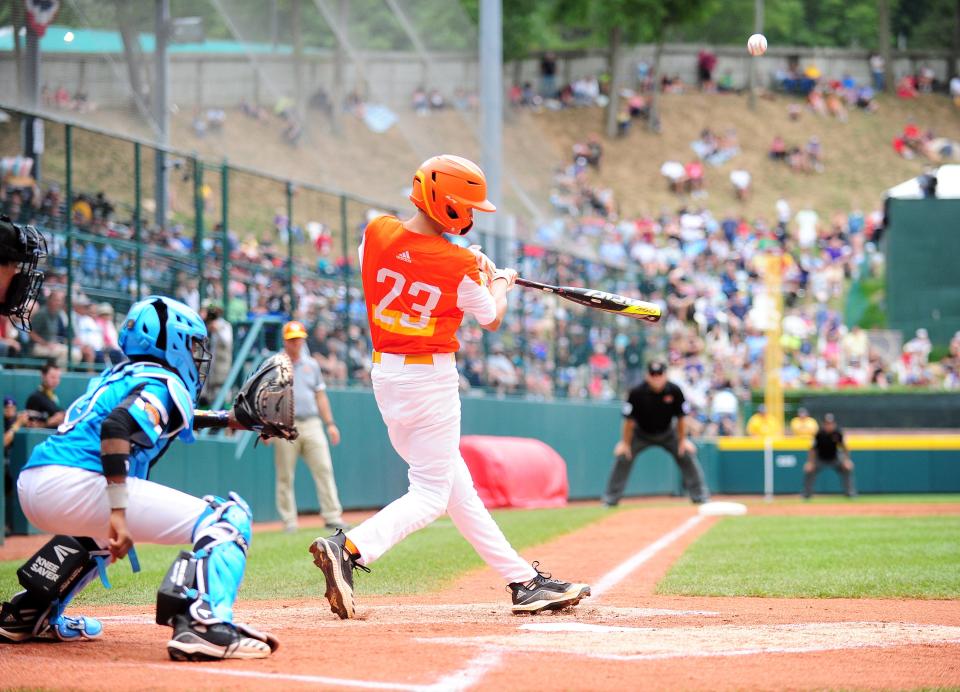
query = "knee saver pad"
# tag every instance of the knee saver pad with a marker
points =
(204, 582)
(60, 570)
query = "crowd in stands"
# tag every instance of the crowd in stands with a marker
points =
(705, 266)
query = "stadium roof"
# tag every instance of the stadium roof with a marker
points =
(948, 185)
(66, 39)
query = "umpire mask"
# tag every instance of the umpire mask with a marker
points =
(24, 246)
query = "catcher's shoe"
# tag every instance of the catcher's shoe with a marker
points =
(20, 625)
(193, 641)
(337, 565)
(544, 593)
(20, 619)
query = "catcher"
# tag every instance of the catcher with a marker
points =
(21, 250)
(89, 484)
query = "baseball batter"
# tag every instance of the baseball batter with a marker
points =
(88, 484)
(418, 287)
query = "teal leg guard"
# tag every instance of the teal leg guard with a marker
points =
(204, 582)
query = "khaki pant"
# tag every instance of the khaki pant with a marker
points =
(312, 446)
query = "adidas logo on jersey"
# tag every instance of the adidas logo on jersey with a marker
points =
(405, 257)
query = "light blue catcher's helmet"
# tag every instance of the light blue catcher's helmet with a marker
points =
(164, 330)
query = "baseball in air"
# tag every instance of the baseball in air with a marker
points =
(757, 44)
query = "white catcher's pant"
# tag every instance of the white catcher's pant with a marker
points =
(421, 406)
(72, 501)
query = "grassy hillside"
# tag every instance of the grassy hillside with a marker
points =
(860, 163)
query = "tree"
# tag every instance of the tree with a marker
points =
(630, 22)
(883, 39)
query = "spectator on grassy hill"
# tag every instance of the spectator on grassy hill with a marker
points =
(816, 102)
(835, 106)
(876, 71)
(778, 149)
(675, 173)
(637, 105)
(706, 63)
(548, 75)
(693, 172)
(624, 122)
(814, 154)
(741, 179)
(907, 87)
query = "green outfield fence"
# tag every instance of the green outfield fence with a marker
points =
(369, 473)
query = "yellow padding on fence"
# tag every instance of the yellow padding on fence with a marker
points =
(854, 442)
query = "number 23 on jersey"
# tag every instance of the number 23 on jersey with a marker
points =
(422, 299)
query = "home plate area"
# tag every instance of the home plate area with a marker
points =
(620, 642)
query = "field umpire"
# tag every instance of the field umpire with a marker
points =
(648, 421)
(828, 451)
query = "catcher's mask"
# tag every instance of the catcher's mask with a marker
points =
(448, 188)
(24, 246)
(202, 358)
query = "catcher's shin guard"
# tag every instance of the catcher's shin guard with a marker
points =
(197, 595)
(51, 578)
(204, 582)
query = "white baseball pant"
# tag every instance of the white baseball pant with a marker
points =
(73, 501)
(421, 406)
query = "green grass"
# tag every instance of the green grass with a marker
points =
(280, 565)
(886, 499)
(822, 557)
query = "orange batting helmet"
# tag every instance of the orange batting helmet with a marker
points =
(446, 188)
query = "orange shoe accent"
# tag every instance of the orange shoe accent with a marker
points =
(351, 548)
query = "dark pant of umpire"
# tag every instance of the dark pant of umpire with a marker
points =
(689, 466)
(837, 465)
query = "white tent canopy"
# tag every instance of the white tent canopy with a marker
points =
(948, 185)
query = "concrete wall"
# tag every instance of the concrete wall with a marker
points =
(226, 79)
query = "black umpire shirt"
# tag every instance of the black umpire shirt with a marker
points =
(653, 411)
(827, 443)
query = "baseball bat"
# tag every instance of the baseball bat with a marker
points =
(600, 300)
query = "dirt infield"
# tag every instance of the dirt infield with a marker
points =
(623, 637)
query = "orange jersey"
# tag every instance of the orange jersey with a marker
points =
(418, 288)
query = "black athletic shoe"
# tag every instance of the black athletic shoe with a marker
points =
(195, 642)
(544, 593)
(337, 565)
(23, 617)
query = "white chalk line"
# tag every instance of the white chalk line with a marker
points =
(291, 677)
(464, 678)
(471, 674)
(492, 657)
(628, 566)
(493, 648)
(192, 669)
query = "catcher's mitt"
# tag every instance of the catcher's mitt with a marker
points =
(265, 401)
